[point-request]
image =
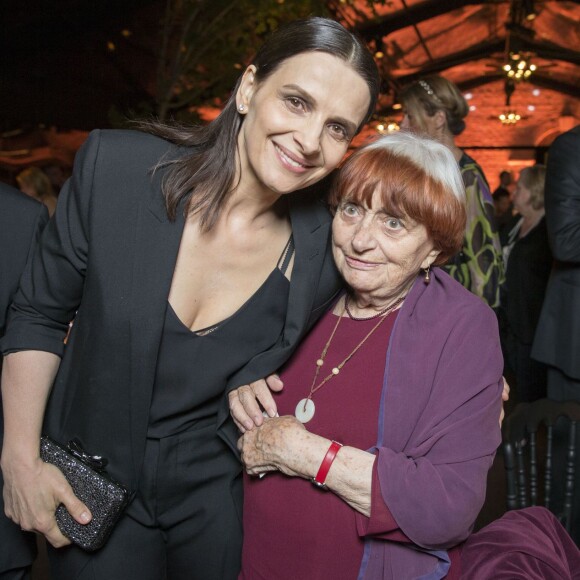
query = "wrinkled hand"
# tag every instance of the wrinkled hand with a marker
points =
(278, 444)
(32, 492)
(245, 402)
(505, 397)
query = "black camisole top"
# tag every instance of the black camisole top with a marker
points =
(193, 367)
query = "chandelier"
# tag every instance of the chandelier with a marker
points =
(509, 117)
(519, 66)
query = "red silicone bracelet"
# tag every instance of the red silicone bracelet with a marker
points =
(319, 480)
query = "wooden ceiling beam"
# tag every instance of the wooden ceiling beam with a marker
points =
(389, 23)
(477, 52)
(485, 50)
(554, 85)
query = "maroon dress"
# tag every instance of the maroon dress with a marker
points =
(291, 528)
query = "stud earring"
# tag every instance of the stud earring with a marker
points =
(427, 278)
(242, 107)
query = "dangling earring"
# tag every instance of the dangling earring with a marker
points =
(427, 278)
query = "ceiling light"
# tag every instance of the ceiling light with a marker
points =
(386, 126)
(518, 67)
(509, 117)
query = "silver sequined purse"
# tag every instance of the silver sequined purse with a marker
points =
(90, 482)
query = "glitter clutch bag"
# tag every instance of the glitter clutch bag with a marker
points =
(93, 486)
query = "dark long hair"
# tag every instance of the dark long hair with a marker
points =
(204, 179)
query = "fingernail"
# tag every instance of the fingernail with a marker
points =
(248, 425)
(85, 517)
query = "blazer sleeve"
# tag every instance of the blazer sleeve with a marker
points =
(562, 197)
(435, 487)
(52, 283)
(20, 229)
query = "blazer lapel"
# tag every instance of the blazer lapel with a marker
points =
(310, 238)
(157, 245)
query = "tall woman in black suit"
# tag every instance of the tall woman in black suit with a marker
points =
(191, 271)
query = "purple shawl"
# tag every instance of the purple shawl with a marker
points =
(438, 427)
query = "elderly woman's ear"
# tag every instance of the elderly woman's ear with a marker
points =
(430, 259)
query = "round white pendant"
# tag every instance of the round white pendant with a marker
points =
(305, 410)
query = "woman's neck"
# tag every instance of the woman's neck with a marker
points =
(256, 210)
(530, 220)
(365, 305)
(447, 138)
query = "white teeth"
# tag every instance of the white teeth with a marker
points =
(288, 160)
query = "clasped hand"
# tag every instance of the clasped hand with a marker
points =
(33, 491)
(274, 446)
(246, 402)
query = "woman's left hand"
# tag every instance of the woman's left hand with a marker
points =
(279, 444)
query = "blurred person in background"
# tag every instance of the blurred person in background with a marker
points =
(528, 261)
(557, 340)
(505, 180)
(35, 183)
(504, 207)
(434, 106)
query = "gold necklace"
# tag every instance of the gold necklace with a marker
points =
(383, 312)
(305, 408)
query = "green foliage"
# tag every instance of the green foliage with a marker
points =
(206, 44)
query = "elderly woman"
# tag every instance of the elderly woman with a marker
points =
(435, 107)
(391, 402)
(528, 263)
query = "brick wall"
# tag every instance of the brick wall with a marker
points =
(552, 114)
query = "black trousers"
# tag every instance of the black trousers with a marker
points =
(184, 523)
(17, 548)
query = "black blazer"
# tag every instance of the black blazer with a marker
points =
(557, 340)
(21, 222)
(110, 252)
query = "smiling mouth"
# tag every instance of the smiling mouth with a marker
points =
(291, 161)
(359, 264)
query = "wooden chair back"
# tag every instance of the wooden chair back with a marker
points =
(529, 450)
